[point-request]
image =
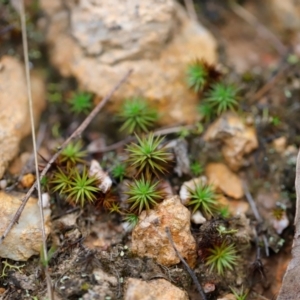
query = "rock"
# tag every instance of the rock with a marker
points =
(245, 233)
(280, 144)
(137, 289)
(228, 297)
(103, 177)
(45, 200)
(2, 291)
(198, 218)
(266, 201)
(14, 120)
(182, 157)
(149, 236)
(225, 180)
(105, 287)
(238, 139)
(25, 238)
(68, 220)
(101, 276)
(3, 184)
(166, 187)
(235, 207)
(209, 287)
(27, 180)
(99, 41)
(280, 224)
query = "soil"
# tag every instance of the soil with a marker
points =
(92, 250)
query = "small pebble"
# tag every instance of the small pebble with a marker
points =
(128, 227)
(279, 144)
(27, 180)
(280, 225)
(3, 184)
(97, 171)
(209, 287)
(46, 200)
(197, 218)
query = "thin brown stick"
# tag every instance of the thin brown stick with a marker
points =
(191, 9)
(74, 135)
(265, 88)
(163, 131)
(297, 189)
(34, 143)
(252, 20)
(256, 215)
(190, 271)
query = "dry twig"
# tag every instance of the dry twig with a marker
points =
(190, 271)
(270, 83)
(159, 132)
(189, 4)
(263, 30)
(21, 11)
(256, 215)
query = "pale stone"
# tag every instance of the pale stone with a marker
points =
(235, 207)
(68, 220)
(101, 277)
(45, 200)
(27, 180)
(14, 114)
(149, 237)
(228, 297)
(198, 218)
(225, 180)
(97, 42)
(280, 144)
(209, 287)
(3, 184)
(237, 139)
(280, 225)
(25, 238)
(103, 177)
(105, 287)
(137, 289)
(127, 226)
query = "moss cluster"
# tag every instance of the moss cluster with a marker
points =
(217, 95)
